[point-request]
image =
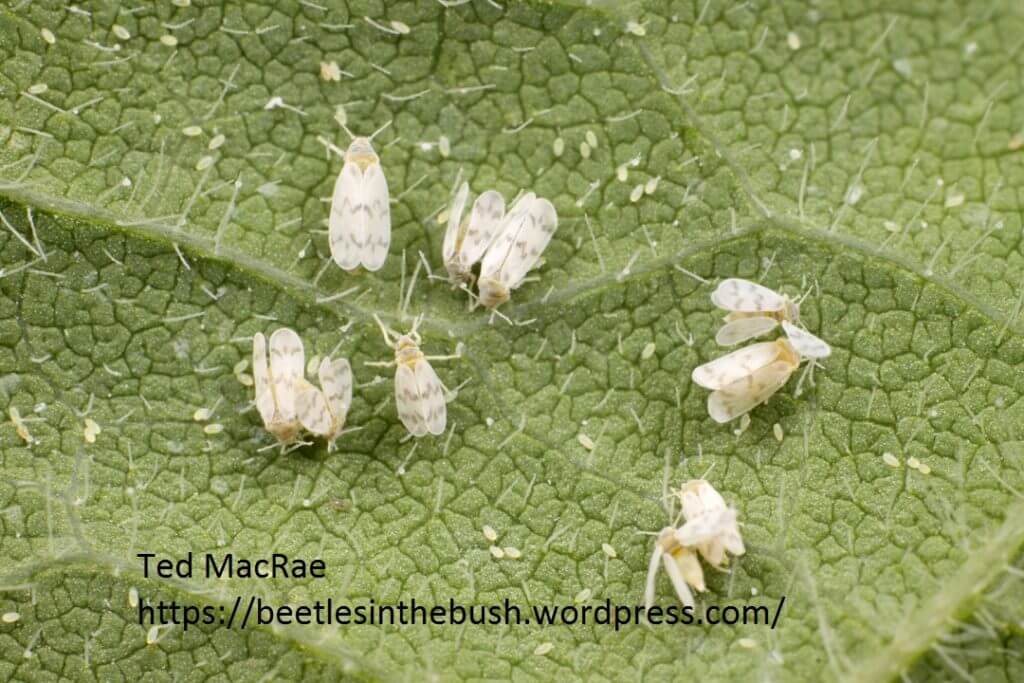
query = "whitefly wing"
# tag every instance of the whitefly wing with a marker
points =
(508, 231)
(346, 226)
(538, 224)
(432, 403)
(484, 224)
(409, 401)
(287, 364)
(261, 379)
(311, 408)
(522, 203)
(652, 574)
(697, 496)
(805, 343)
(749, 392)
(675, 574)
(736, 294)
(452, 233)
(377, 213)
(336, 382)
(736, 365)
(740, 330)
(706, 527)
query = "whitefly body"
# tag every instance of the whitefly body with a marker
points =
(359, 228)
(711, 525)
(466, 239)
(742, 380)
(805, 343)
(276, 382)
(754, 310)
(710, 531)
(680, 564)
(420, 396)
(524, 234)
(322, 410)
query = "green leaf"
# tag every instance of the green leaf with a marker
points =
(139, 258)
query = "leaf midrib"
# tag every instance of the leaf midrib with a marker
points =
(304, 291)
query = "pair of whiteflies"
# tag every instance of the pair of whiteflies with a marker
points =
(711, 531)
(742, 380)
(508, 245)
(291, 406)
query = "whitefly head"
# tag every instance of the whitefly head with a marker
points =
(407, 347)
(792, 310)
(492, 292)
(361, 152)
(409, 340)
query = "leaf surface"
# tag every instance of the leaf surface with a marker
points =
(164, 199)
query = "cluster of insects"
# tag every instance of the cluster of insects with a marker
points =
(710, 532)
(291, 406)
(507, 245)
(742, 380)
(288, 403)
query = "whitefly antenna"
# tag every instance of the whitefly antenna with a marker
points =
(707, 471)
(416, 324)
(372, 136)
(379, 130)
(330, 145)
(386, 331)
(805, 295)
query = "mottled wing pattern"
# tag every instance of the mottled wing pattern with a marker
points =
(747, 393)
(432, 403)
(742, 329)
(736, 294)
(311, 408)
(452, 233)
(500, 250)
(805, 343)
(346, 226)
(538, 225)
(409, 401)
(484, 224)
(261, 378)
(336, 382)
(734, 366)
(287, 364)
(376, 210)
(706, 527)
